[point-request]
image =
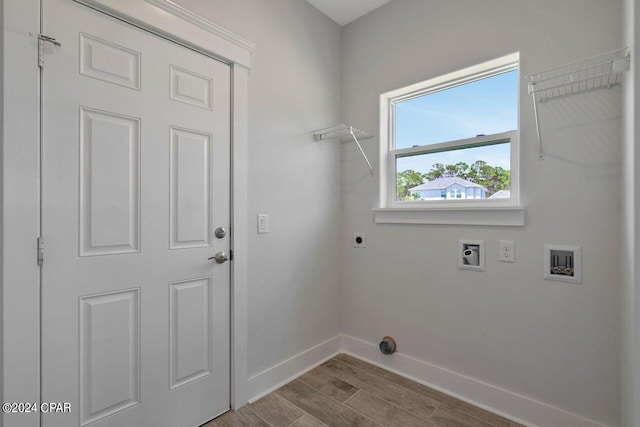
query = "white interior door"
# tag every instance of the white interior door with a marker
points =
(135, 181)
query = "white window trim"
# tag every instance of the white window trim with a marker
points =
(467, 212)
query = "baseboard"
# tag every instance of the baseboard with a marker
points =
(510, 405)
(275, 377)
(516, 407)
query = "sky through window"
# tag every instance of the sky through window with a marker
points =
(486, 106)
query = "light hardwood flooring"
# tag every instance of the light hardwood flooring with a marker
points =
(346, 391)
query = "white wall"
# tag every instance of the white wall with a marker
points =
(20, 274)
(1, 191)
(630, 367)
(294, 271)
(553, 342)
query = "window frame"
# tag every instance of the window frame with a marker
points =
(389, 154)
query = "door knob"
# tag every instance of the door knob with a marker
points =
(220, 257)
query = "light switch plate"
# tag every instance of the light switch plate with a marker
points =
(263, 223)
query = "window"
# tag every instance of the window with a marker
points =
(452, 141)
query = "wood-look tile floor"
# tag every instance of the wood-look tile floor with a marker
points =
(346, 391)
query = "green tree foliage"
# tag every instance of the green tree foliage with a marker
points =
(406, 180)
(437, 171)
(493, 178)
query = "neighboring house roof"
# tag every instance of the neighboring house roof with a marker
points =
(443, 183)
(502, 194)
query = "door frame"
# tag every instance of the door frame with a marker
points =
(19, 181)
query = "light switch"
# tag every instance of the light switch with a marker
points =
(263, 223)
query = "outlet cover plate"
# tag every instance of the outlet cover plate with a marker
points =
(507, 251)
(359, 240)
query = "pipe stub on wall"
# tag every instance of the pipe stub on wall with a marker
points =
(387, 345)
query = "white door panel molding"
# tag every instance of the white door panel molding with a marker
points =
(185, 26)
(19, 270)
(127, 175)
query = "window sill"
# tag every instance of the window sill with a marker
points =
(489, 216)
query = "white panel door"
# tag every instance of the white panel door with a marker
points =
(135, 181)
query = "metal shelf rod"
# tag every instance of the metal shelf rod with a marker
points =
(535, 113)
(345, 133)
(353, 135)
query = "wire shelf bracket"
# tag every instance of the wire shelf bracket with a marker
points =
(344, 133)
(601, 71)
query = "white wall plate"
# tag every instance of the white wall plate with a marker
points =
(471, 255)
(563, 263)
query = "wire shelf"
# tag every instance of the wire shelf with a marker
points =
(344, 133)
(340, 132)
(592, 73)
(601, 71)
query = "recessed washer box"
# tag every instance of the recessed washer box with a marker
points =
(471, 255)
(563, 263)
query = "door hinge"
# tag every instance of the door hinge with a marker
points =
(42, 39)
(231, 255)
(40, 251)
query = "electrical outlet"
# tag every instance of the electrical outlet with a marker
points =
(507, 250)
(359, 240)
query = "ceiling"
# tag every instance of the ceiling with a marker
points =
(345, 11)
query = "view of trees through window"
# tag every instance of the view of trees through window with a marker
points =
(467, 173)
(446, 141)
(493, 178)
